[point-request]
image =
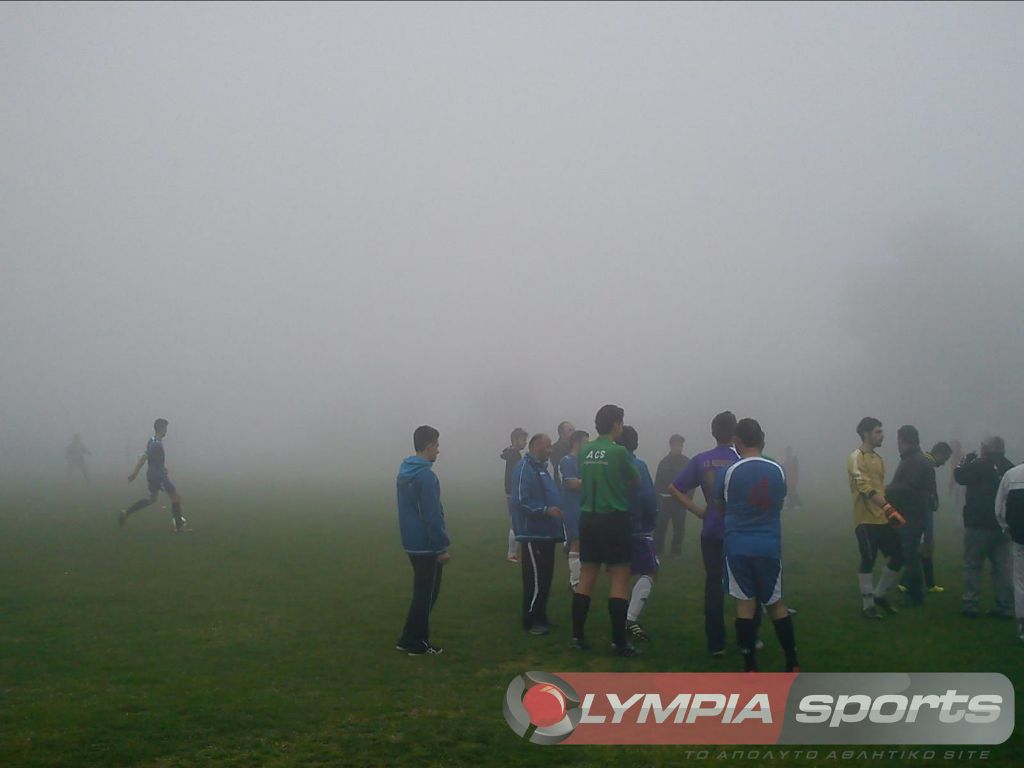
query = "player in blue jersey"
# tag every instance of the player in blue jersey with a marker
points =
(569, 471)
(157, 478)
(643, 519)
(752, 492)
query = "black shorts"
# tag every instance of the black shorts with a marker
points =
(874, 538)
(605, 538)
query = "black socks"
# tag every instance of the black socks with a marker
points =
(746, 636)
(617, 608)
(787, 639)
(580, 607)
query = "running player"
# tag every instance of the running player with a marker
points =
(511, 456)
(643, 516)
(752, 492)
(157, 478)
(607, 474)
(701, 472)
(874, 518)
(570, 474)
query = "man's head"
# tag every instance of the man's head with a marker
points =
(577, 439)
(540, 447)
(749, 435)
(993, 446)
(907, 438)
(723, 427)
(518, 438)
(870, 431)
(941, 452)
(565, 430)
(629, 439)
(160, 427)
(425, 442)
(675, 444)
(608, 421)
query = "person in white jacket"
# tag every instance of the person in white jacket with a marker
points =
(1010, 515)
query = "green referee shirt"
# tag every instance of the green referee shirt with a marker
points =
(606, 473)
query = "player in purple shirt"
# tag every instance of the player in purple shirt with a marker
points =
(701, 472)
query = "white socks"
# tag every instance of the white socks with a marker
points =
(641, 591)
(574, 569)
(888, 579)
(867, 589)
(513, 545)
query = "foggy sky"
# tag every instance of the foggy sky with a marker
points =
(299, 231)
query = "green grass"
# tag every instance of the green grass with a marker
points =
(266, 636)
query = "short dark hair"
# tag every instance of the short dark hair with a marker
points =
(908, 434)
(867, 425)
(558, 429)
(518, 432)
(723, 426)
(160, 424)
(749, 432)
(607, 417)
(942, 447)
(578, 437)
(676, 439)
(424, 436)
(629, 439)
(536, 438)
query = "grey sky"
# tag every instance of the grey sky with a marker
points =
(298, 231)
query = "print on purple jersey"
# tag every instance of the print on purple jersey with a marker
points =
(701, 472)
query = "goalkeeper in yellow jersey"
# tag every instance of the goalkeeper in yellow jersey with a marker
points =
(874, 518)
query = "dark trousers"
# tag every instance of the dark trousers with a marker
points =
(670, 511)
(538, 561)
(910, 542)
(714, 596)
(426, 586)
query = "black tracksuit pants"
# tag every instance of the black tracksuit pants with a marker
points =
(426, 586)
(538, 563)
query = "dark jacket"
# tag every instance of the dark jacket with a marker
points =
(913, 485)
(643, 504)
(559, 449)
(668, 468)
(981, 476)
(533, 492)
(420, 514)
(511, 457)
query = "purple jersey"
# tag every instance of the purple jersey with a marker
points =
(701, 472)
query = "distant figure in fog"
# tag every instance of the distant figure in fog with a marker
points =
(561, 448)
(670, 510)
(791, 466)
(75, 455)
(983, 537)
(511, 457)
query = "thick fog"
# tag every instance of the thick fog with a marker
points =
(299, 231)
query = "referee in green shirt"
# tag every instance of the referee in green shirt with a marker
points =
(606, 474)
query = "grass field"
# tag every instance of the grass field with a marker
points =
(266, 636)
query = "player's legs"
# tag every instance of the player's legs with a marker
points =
(889, 544)
(590, 565)
(645, 567)
(180, 523)
(974, 548)
(574, 564)
(138, 505)
(714, 597)
(1002, 573)
(531, 586)
(678, 530)
(546, 565)
(513, 546)
(868, 551)
(910, 540)
(618, 603)
(738, 579)
(928, 554)
(415, 635)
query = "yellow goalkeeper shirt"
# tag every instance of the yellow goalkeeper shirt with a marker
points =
(867, 477)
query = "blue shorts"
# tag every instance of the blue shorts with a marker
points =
(749, 577)
(645, 559)
(571, 524)
(159, 483)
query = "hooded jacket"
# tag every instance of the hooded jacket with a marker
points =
(533, 493)
(643, 502)
(420, 514)
(981, 476)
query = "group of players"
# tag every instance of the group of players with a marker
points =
(600, 502)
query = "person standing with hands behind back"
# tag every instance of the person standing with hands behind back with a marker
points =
(424, 538)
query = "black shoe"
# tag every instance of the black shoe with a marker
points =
(885, 605)
(579, 644)
(626, 650)
(634, 628)
(425, 650)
